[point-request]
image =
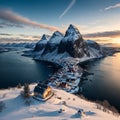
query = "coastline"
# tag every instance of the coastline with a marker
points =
(64, 64)
(55, 64)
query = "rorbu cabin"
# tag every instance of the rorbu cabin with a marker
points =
(42, 91)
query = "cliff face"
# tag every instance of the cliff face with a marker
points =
(42, 43)
(53, 42)
(71, 44)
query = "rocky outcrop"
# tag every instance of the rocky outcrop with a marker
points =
(94, 45)
(73, 43)
(42, 43)
(53, 42)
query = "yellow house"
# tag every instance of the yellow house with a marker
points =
(42, 91)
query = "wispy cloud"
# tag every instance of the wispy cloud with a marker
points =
(16, 40)
(11, 18)
(111, 34)
(68, 8)
(5, 34)
(113, 7)
(4, 24)
(20, 36)
(10, 38)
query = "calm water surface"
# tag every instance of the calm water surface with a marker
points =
(105, 83)
(15, 69)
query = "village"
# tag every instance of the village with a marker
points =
(67, 78)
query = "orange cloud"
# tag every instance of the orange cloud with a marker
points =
(12, 17)
(110, 34)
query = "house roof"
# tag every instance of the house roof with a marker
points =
(39, 90)
(42, 85)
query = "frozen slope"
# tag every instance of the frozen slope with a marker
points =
(42, 43)
(16, 109)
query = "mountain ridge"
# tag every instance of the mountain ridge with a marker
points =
(72, 44)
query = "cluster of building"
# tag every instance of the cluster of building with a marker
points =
(67, 78)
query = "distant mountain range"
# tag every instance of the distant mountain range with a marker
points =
(25, 45)
(59, 46)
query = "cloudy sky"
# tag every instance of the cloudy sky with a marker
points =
(29, 19)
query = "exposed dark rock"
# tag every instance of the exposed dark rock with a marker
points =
(95, 45)
(53, 43)
(73, 43)
(42, 43)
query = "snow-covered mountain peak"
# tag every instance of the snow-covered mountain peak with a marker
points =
(45, 37)
(42, 42)
(72, 31)
(57, 33)
(56, 37)
(72, 43)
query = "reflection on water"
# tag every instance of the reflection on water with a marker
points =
(106, 80)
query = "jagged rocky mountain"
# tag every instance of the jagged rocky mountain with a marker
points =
(53, 42)
(42, 43)
(71, 44)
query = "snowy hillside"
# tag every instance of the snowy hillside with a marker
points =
(17, 108)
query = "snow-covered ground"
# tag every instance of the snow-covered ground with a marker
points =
(16, 109)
